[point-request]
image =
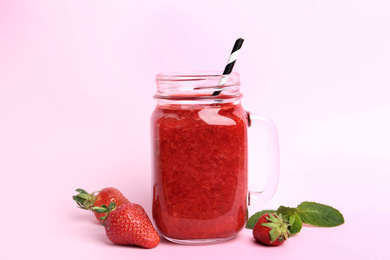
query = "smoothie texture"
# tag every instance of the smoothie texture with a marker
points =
(199, 169)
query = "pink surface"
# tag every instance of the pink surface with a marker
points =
(76, 87)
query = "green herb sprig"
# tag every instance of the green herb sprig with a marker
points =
(311, 213)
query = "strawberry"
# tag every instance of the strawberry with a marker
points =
(128, 224)
(87, 200)
(271, 229)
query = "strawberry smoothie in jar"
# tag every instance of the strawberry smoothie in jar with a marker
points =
(200, 158)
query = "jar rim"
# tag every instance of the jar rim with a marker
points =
(194, 75)
(197, 85)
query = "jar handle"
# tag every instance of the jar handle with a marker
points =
(257, 198)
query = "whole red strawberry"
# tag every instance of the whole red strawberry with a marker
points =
(271, 229)
(87, 200)
(128, 225)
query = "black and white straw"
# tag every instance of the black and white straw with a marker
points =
(230, 64)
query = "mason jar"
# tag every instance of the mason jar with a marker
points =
(200, 158)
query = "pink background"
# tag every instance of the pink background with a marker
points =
(76, 87)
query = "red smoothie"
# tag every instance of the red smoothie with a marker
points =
(199, 170)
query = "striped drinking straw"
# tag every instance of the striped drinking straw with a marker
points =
(230, 64)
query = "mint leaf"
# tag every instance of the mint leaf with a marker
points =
(255, 217)
(285, 211)
(291, 218)
(320, 215)
(295, 223)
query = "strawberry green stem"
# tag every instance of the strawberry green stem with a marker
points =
(84, 199)
(279, 227)
(104, 209)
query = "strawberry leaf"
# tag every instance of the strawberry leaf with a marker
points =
(320, 215)
(255, 217)
(82, 191)
(84, 200)
(78, 199)
(100, 209)
(112, 206)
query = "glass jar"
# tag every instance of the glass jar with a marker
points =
(200, 158)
